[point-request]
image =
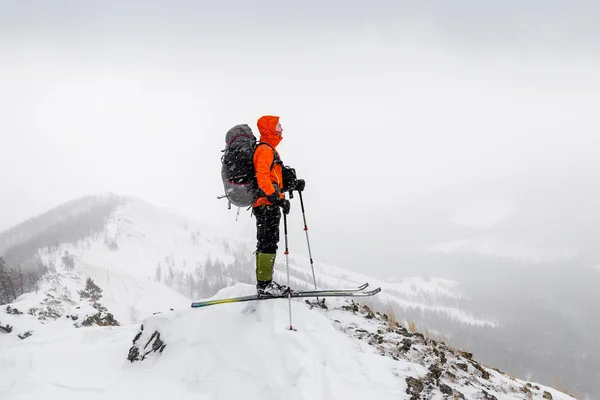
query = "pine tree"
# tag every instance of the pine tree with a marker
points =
(21, 279)
(4, 296)
(7, 283)
(199, 278)
(180, 279)
(91, 292)
(68, 262)
(33, 279)
(158, 273)
(191, 284)
(170, 279)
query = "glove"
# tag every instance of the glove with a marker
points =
(279, 202)
(300, 185)
(274, 198)
(285, 206)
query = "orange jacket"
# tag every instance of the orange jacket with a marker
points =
(264, 157)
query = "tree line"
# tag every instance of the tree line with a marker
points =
(206, 279)
(14, 281)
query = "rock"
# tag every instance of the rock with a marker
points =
(445, 389)
(25, 335)
(353, 307)
(377, 339)
(484, 373)
(435, 371)
(487, 396)
(443, 358)
(13, 311)
(466, 355)
(101, 319)
(406, 343)
(415, 386)
(153, 345)
(547, 395)
(318, 304)
(403, 332)
(463, 366)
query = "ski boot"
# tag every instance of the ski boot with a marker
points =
(271, 289)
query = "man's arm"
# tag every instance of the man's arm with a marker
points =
(263, 159)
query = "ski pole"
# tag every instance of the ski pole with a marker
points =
(287, 264)
(308, 241)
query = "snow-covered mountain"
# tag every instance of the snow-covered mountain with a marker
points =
(58, 344)
(137, 240)
(66, 341)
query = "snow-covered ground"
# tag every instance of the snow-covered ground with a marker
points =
(55, 349)
(229, 351)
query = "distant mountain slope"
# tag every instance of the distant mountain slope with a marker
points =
(69, 222)
(109, 236)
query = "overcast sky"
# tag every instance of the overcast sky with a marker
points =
(381, 102)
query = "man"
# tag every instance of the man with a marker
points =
(266, 208)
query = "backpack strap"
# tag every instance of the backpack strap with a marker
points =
(276, 159)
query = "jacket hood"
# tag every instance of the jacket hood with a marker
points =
(266, 126)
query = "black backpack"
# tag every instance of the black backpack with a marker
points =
(237, 166)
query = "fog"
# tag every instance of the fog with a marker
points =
(380, 104)
(436, 138)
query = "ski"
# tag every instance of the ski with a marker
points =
(356, 289)
(293, 295)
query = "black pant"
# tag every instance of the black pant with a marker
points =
(267, 228)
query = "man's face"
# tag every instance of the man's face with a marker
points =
(279, 130)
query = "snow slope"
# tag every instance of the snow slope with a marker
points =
(226, 351)
(231, 351)
(139, 236)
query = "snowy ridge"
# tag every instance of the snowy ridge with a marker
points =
(411, 293)
(267, 360)
(247, 351)
(516, 249)
(344, 351)
(64, 212)
(139, 236)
